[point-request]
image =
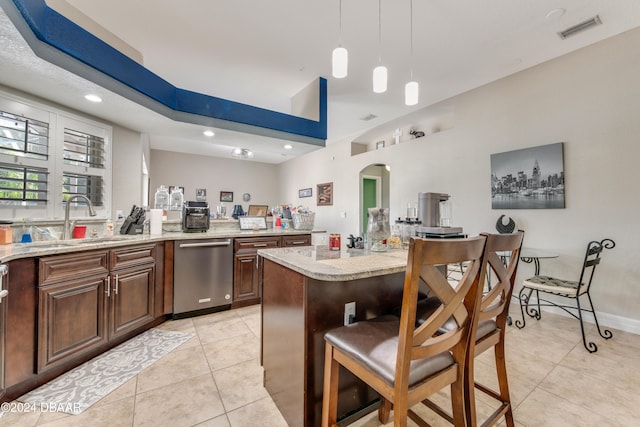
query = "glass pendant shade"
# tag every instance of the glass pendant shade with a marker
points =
(380, 79)
(340, 62)
(411, 92)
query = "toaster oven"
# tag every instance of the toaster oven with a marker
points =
(195, 217)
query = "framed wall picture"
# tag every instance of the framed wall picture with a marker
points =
(305, 192)
(530, 178)
(201, 194)
(226, 196)
(325, 194)
(379, 145)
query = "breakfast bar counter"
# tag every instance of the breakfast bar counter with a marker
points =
(304, 292)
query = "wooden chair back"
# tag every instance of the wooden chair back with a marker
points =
(427, 261)
(502, 257)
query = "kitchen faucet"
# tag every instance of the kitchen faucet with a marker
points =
(65, 229)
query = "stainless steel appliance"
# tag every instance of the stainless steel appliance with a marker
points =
(434, 211)
(195, 216)
(203, 276)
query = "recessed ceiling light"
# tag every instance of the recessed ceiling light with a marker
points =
(93, 98)
(287, 146)
(209, 133)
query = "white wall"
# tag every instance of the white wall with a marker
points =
(589, 100)
(215, 175)
(127, 171)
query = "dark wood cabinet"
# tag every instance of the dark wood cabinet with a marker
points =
(246, 267)
(87, 299)
(297, 240)
(71, 320)
(71, 306)
(132, 291)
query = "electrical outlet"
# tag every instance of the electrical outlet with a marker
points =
(349, 313)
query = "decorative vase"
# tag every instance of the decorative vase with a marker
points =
(378, 230)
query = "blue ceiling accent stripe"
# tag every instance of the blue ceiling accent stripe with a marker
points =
(63, 34)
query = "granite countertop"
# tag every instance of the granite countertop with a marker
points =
(54, 247)
(318, 262)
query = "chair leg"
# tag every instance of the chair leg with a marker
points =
(384, 410)
(531, 312)
(503, 381)
(469, 393)
(458, 404)
(330, 388)
(604, 333)
(589, 345)
(538, 315)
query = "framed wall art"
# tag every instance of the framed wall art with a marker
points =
(305, 192)
(226, 196)
(530, 178)
(325, 194)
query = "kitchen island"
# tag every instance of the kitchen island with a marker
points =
(304, 293)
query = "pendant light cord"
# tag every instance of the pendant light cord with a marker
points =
(379, 31)
(340, 24)
(411, 39)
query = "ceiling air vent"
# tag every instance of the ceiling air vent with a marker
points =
(580, 27)
(368, 117)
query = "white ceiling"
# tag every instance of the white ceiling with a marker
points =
(262, 53)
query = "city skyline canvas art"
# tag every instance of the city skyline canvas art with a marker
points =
(529, 178)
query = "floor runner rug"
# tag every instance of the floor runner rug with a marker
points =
(78, 389)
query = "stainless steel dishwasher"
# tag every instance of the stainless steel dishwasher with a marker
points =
(202, 276)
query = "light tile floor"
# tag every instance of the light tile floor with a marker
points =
(215, 380)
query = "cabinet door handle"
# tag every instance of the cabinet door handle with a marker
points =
(257, 261)
(108, 291)
(115, 286)
(299, 242)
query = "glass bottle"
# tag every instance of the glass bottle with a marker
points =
(161, 199)
(378, 229)
(176, 199)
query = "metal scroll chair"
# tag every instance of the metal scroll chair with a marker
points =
(405, 364)
(569, 290)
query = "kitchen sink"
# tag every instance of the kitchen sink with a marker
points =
(53, 244)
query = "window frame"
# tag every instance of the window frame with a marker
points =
(58, 120)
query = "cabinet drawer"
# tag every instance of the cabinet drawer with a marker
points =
(59, 268)
(131, 256)
(299, 240)
(253, 244)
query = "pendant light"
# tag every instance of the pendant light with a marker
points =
(340, 57)
(411, 89)
(380, 72)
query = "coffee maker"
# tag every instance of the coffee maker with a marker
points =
(434, 211)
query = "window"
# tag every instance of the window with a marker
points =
(22, 186)
(24, 137)
(46, 156)
(82, 149)
(86, 185)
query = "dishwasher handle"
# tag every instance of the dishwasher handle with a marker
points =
(205, 244)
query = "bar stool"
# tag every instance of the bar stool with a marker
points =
(405, 364)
